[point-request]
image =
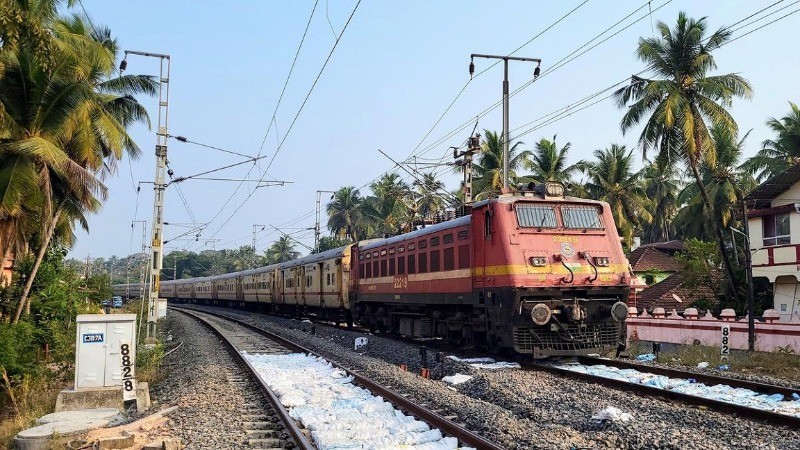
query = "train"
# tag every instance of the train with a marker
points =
(535, 272)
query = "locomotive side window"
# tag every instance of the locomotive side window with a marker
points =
(435, 261)
(391, 267)
(411, 246)
(401, 265)
(449, 258)
(422, 244)
(368, 273)
(375, 269)
(361, 270)
(487, 224)
(536, 216)
(463, 235)
(422, 259)
(383, 268)
(434, 241)
(586, 217)
(412, 264)
(448, 238)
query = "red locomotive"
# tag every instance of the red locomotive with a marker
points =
(537, 272)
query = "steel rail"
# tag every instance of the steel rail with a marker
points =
(446, 426)
(299, 438)
(717, 405)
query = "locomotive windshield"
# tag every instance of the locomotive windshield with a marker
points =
(536, 216)
(585, 217)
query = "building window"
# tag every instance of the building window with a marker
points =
(776, 229)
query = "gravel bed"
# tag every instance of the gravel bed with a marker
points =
(203, 380)
(531, 409)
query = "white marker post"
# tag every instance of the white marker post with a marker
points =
(128, 379)
(725, 350)
(360, 343)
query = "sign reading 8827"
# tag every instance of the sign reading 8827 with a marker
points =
(128, 380)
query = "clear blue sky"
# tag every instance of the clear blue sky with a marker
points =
(396, 69)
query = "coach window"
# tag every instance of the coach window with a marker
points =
(411, 246)
(422, 244)
(435, 261)
(328, 280)
(375, 254)
(463, 256)
(449, 258)
(422, 260)
(401, 249)
(391, 267)
(383, 268)
(375, 272)
(448, 238)
(435, 241)
(412, 264)
(391, 251)
(383, 252)
(361, 270)
(401, 265)
(333, 278)
(368, 273)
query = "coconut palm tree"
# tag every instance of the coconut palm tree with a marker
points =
(612, 180)
(681, 99)
(345, 218)
(429, 199)
(777, 155)
(726, 181)
(661, 184)
(281, 250)
(387, 210)
(68, 125)
(549, 163)
(488, 179)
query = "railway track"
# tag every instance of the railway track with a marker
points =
(241, 336)
(707, 379)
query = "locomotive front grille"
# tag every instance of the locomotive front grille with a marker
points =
(571, 338)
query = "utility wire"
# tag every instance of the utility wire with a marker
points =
(299, 111)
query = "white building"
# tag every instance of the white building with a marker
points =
(774, 231)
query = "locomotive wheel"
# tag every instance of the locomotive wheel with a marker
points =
(468, 336)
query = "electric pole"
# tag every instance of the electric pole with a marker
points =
(156, 244)
(316, 222)
(473, 146)
(505, 100)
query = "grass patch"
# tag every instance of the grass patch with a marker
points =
(27, 399)
(783, 364)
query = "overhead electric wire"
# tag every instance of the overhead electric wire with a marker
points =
(297, 115)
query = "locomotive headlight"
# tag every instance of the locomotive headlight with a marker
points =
(538, 261)
(601, 261)
(554, 189)
(540, 314)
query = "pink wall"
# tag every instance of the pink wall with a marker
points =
(770, 335)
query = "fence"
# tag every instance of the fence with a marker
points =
(693, 329)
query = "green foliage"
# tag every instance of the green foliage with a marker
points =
(281, 250)
(331, 242)
(702, 264)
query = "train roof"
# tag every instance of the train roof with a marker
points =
(315, 257)
(514, 198)
(461, 221)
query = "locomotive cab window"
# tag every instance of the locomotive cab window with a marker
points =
(536, 216)
(581, 217)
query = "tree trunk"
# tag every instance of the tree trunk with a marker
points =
(715, 225)
(48, 234)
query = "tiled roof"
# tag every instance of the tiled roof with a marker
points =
(673, 245)
(648, 258)
(663, 294)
